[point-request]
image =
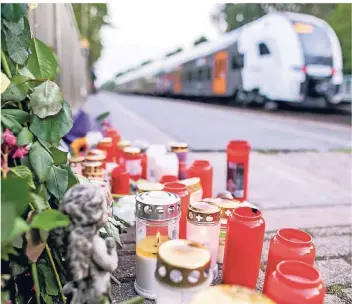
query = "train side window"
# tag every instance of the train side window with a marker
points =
(200, 74)
(209, 73)
(263, 49)
(237, 61)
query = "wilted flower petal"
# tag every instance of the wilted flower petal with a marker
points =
(20, 152)
(9, 138)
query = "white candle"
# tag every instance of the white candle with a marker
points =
(146, 253)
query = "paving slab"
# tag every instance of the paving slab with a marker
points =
(347, 295)
(332, 299)
(335, 272)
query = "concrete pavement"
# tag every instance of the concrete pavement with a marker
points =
(306, 190)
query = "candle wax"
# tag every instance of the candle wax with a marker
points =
(148, 247)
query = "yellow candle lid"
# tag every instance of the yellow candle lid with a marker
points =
(230, 294)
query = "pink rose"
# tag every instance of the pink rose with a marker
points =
(20, 152)
(9, 138)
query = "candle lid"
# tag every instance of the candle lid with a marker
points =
(123, 143)
(92, 164)
(96, 157)
(193, 184)
(203, 213)
(132, 150)
(178, 147)
(230, 294)
(76, 159)
(157, 205)
(182, 263)
(106, 140)
(146, 186)
(226, 206)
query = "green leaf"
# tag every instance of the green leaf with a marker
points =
(46, 99)
(14, 201)
(15, 27)
(38, 202)
(36, 281)
(59, 157)
(41, 161)
(18, 115)
(20, 227)
(48, 277)
(24, 138)
(50, 219)
(11, 124)
(53, 128)
(102, 117)
(57, 182)
(18, 45)
(17, 90)
(41, 63)
(14, 12)
(46, 298)
(24, 173)
(17, 269)
(25, 72)
(41, 190)
(72, 178)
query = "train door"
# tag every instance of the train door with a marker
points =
(220, 73)
(177, 81)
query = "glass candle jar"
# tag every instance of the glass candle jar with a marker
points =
(243, 247)
(203, 170)
(106, 145)
(146, 186)
(180, 190)
(133, 162)
(181, 150)
(121, 145)
(76, 164)
(157, 221)
(203, 226)
(183, 269)
(289, 244)
(226, 208)
(237, 152)
(93, 170)
(120, 181)
(295, 282)
(230, 294)
(96, 155)
(194, 188)
(168, 179)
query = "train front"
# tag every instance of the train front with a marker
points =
(322, 65)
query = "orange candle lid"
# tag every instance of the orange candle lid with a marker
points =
(193, 184)
(106, 140)
(76, 159)
(132, 150)
(124, 143)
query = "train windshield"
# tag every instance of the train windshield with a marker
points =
(315, 43)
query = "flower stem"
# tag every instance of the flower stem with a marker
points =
(36, 282)
(5, 65)
(6, 161)
(48, 251)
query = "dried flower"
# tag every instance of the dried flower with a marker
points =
(5, 82)
(9, 138)
(20, 152)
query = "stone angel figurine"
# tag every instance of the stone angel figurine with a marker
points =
(90, 259)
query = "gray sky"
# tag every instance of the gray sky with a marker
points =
(146, 30)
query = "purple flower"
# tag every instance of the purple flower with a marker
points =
(20, 152)
(9, 138)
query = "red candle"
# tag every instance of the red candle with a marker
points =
(289, 244)
(115, 137)
(122, 144)
(120, 181)
(133, 162)
(106, 146)
(237, 152)
(294, 282)
(203, 170)
(181, 190)
(168, 179)
(144, 163)
(243, 247)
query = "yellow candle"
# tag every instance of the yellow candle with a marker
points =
(148, 247)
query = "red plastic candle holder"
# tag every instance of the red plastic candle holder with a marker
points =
(115, 137)
(294, 282)
(203, 170)
(237, 152)
(243, 247)
(120, 181)
(289, 244)
(106, 146)
(180, 190)
(168, 179)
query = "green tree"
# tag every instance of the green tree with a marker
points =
(340, 21)
(200, 40)
(108, 86)
(90, 18)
